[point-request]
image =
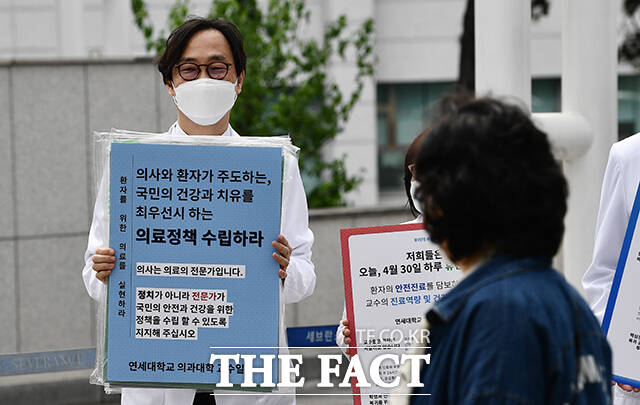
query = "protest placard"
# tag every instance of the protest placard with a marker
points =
(392, 276)
(621, 321)
(192, 227)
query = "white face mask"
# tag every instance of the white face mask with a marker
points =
(205, 101)
(416, 202)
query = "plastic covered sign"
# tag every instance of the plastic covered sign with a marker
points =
(191, 220)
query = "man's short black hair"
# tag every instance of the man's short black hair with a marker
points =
(177, 42)
(490, 184)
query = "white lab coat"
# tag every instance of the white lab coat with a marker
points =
(618, 192)
(299, 284)
(341, 327)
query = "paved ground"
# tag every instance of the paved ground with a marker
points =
(73, 388)
(307, 396)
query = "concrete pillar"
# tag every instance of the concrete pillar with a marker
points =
(71, 23)
(582, 134)
(502, 40)
(589, 88)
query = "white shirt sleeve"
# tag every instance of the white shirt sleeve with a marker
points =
(613, 217)
(97, 239)
(301, 277)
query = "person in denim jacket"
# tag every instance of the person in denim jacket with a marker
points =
(512, 331)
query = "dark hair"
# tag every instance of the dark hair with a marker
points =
(490, 183)
(409, 159)
(179, 38)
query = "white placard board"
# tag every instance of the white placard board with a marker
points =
(392, 276)
(621, 321)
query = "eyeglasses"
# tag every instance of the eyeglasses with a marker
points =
(190, 71)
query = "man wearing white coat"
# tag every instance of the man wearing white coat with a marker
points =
(203, 67)
(616, 201)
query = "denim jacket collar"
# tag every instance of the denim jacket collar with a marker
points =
(496, 268)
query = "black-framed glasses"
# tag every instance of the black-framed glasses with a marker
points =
(191, 71)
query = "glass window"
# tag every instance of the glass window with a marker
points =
(628, 106)
(546, 98)
(545, 95)
(404, 111)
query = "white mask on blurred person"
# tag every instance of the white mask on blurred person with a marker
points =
(205, 101)
(416, 202)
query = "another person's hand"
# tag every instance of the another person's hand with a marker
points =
(103, 262)
(346, 333)
(626, 387)
(283, 256)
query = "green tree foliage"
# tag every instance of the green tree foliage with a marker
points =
(287, 87)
